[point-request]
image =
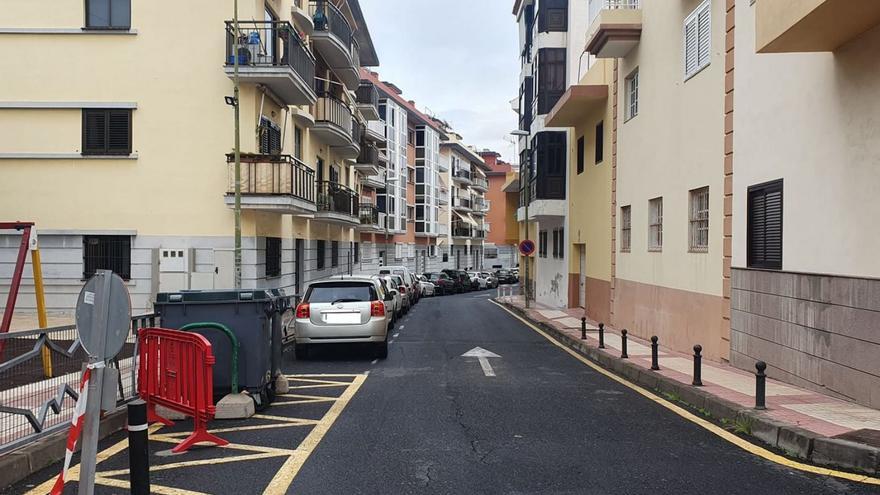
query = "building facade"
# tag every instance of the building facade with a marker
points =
(467, 184)
(500, 246)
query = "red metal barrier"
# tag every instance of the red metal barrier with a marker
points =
(175, 370)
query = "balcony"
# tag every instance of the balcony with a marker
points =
(811, 25)
(367, 97)
(461, 230)
(576, 103)
(272, 53)
(273, 183)
(375, 132)
(334, 39)
(301, 16)
(337, 204)
(367, 162)
(370, 218)
(615, 27)
(335, 126)
(481, 206)
(479, 183)
(462, 203)
(461, 175)
(442, 229)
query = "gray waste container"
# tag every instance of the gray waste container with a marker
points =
(254, 316)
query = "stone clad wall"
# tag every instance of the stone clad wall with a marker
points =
(820, 332)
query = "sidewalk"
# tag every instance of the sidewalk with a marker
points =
(803, 423)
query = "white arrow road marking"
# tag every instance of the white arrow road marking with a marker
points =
(483, 356)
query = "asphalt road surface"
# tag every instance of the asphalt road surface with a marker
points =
(428, 420)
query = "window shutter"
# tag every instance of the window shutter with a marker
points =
(765, 226)
(690, 46)
(94, 136)
(705, 35)
(119, 132)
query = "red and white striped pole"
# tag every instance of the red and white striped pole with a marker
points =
(75, 430)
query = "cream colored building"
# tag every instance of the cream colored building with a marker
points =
(115, 141)
(467, 205)
(806, 170)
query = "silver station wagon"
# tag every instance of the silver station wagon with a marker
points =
(344, 310)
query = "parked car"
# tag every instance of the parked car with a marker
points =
(397, 301)
(506, 277)
(443, 284)
(491, 281)
(428, 288)
(396, 282)
(477, 281)
(404, 273)
(344, 309)
(460, 279)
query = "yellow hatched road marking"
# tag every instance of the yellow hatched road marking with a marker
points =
(284, 478)
(320, 385)
(295, 421)
(322, 375)
(717, 430)
(161, 490)
(200, 462)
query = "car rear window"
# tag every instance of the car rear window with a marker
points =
(333, 292)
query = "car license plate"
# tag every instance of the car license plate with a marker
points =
(342, 318)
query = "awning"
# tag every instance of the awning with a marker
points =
(466, 219)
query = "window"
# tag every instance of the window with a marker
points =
(357, 252)
(273, 257)
(625, 228)
(600, 142)
(765, 225)
(580, 157)
(697, 39)
(297, 143)
(334, 254)
(552, 15)
(558, 243)
(270, 137)
(432, 250)
(107, 252)
(699, 220)
(551, 78)
(108, 14)
(542, 244)
(632, 95)
(410, 214)
(655, 225)
(411, 137)
(106, 131)
(322, 254)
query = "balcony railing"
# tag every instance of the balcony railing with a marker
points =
(328, 17)
(272, 175)
(367, 94)
(597, 6)
(369, 214)
(357, 133)
(270, 44)
(480, 182)
(336, 198)
(329, 109)
(461, 173)
(369, 154)
(461, 229)
(461, 202)
(481, 204)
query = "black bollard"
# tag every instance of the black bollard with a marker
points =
(623, 354)
(655, 365)
(601, 335)
(698, 363)
(583, 328)
(760, 386)
(138, 451)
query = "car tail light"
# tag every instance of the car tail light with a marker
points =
(377, 308)
(402, 289)
(303, 311)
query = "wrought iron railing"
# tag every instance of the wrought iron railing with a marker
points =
(328, 17)
(270, 44)
(480, 182)
(369, 154)
(458, 202)
(39, 379)
(461, 173)
(369, 214)
(272, 175)
(330, 110)
(337, 198)
(461, 229)
(367, 94)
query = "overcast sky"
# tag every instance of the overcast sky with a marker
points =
(456, 58)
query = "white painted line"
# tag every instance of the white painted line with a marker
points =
(396, 334)
(374, 361)
(483, 356)
(487, 368)
(367, 372)
(402, 327)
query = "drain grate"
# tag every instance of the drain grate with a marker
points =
(865, 435)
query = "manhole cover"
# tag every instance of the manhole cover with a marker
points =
(865, 435)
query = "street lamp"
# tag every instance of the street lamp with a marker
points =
(527, 135)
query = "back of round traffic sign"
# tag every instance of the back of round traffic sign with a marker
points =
(100, 341)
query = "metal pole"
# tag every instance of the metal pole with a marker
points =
(528, 200)
(40, 295)
(235, 48)
(138, 448)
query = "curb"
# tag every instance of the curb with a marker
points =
(43, 452)
(794, 441)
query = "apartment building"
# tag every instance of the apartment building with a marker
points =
(403, 226)
(467, 183)
(120, 150)
(551, 49)
(803, 94)
(502, 232)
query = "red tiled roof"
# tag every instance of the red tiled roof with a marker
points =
(390, 92)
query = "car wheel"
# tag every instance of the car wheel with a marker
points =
(382, 350)
(301, 351)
